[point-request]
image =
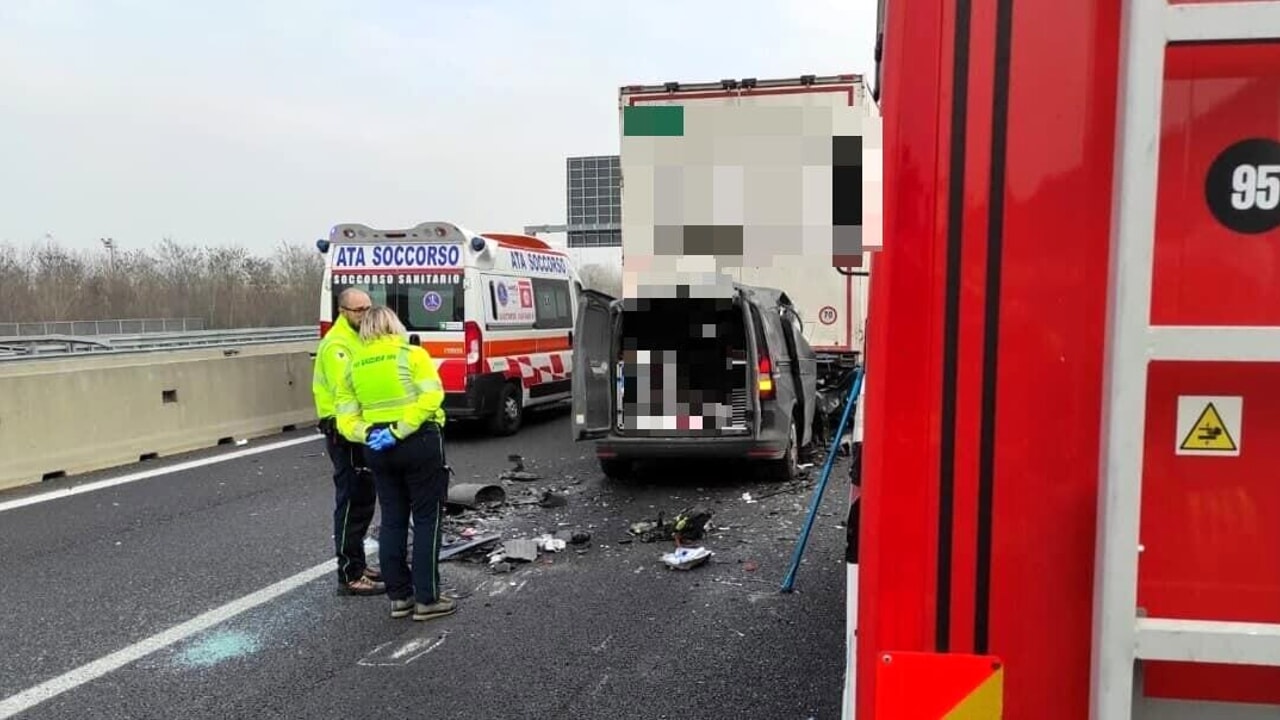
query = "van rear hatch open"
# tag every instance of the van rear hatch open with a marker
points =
(685, 368)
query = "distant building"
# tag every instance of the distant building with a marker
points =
(594, 195)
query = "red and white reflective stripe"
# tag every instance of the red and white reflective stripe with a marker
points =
(533, 369)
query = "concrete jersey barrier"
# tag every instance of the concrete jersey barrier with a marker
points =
(63, 417)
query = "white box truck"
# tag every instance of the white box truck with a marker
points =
(759, 182)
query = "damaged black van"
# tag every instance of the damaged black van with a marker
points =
(691, 377)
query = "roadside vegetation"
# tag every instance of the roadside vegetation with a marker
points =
(226, 286)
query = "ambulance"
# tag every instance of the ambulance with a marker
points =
(496, 311)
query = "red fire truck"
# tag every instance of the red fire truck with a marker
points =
(1069, 498)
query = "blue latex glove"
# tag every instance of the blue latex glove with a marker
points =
(381, 439)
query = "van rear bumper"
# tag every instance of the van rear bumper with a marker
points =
(663, 448)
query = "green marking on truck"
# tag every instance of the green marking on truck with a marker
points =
(653, 121)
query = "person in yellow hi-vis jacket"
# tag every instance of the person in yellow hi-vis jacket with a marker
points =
(354, 497)
(391, 401)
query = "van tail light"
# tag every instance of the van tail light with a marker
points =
(324, 327)
(474, 344)
(764, 378)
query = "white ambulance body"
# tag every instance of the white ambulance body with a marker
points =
(496, 311)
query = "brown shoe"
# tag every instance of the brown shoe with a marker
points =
(438, 609)
(373, 574)
(362, 586)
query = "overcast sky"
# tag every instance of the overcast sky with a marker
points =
(255, 121)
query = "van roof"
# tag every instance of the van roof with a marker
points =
(434, 231)
(765, 294)
(527, 242)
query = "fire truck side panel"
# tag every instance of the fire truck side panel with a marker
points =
(1209, 532)
(987, 317)
(1043, 425)
(898, 543)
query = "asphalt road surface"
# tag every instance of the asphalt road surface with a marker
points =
(209, 592)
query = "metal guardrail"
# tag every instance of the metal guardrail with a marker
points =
(62, 346)
(101, 327)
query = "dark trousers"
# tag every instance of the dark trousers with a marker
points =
(412, 480)
(354, 502)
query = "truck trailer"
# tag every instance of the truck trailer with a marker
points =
(756, 182)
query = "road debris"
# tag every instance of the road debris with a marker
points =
(688, 525)
(574, 537)
(746, 497)
(686, 558)
(552, 499)
(517, 472)
(460, 547)
(521, 550)
(473, 495)
(550, 544)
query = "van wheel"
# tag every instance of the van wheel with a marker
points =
(510, 414)
(788, 467)
(615, 468)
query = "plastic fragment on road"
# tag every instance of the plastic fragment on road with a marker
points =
(686, 558)
(550, 544)
(455, 549)
(522, 550)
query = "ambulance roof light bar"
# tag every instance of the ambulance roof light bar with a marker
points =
(1120, 637)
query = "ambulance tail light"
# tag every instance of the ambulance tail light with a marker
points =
(474, 344)
(324, 327)
(764, 378)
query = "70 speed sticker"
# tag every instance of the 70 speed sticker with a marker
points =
(827, 315)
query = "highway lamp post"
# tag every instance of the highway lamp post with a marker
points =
(110, 245)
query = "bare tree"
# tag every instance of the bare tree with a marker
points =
(227, 286)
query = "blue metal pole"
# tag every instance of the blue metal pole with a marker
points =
(790, 580)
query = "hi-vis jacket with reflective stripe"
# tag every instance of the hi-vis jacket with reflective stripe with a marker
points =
(330, 371)
(389, 381)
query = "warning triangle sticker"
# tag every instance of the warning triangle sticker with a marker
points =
(1209, 433)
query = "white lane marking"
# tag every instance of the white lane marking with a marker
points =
(600, 685)
(134, 477)
(405, 654)
(29, 698)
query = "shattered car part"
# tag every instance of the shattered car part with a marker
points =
(523, 550)
(455, 549)
(686, 558)
(471, 495)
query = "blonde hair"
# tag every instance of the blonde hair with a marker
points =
(379, 322)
